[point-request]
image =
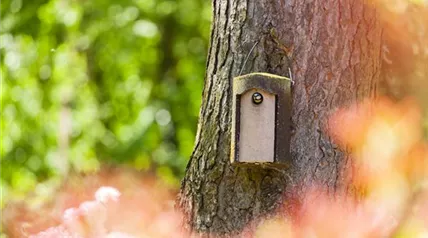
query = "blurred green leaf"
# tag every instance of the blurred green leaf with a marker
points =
(91, 82)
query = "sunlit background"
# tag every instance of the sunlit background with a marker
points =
(98, 93)
(89, 83)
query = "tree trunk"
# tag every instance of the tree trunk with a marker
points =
(333, 49)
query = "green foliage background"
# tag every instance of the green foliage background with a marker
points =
(88, 82)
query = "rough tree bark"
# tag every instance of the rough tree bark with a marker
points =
(333, 49)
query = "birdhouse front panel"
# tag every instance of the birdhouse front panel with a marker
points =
(257, 126)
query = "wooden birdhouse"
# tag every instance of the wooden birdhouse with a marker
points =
(261, 120)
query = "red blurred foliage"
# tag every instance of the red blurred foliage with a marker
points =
(350, 126)
(386, 144)
(145, 208)
(343, 216)
(382, 136)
